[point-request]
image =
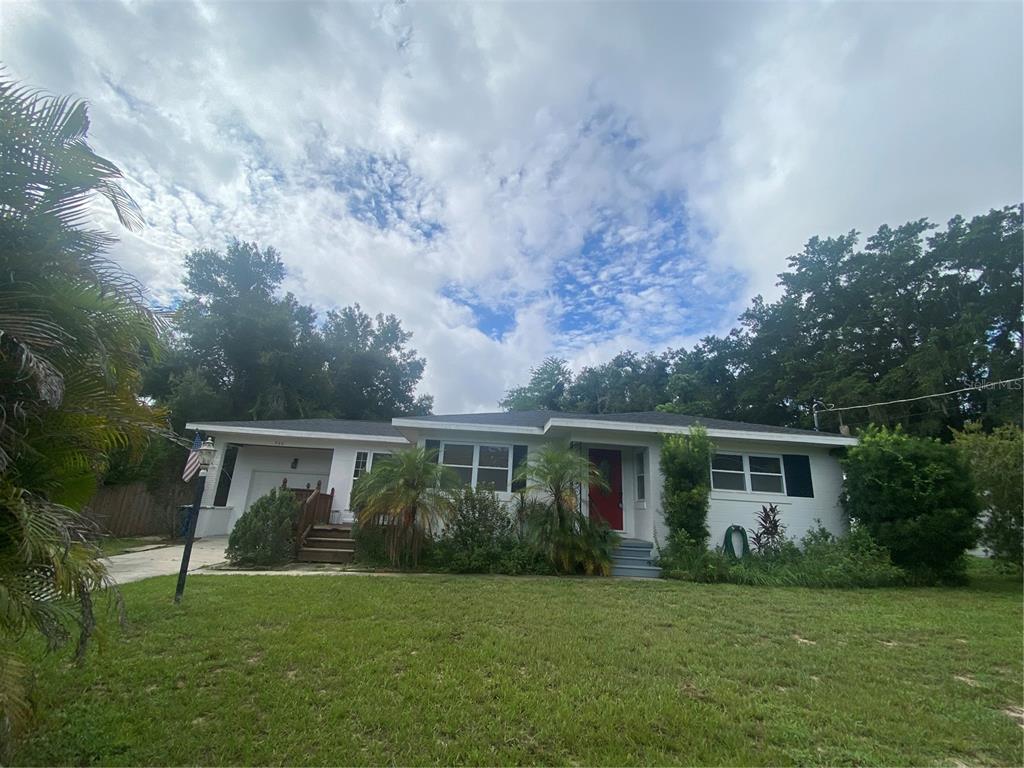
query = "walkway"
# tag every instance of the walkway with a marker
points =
(164, 561)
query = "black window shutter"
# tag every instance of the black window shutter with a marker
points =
(518, 459)
(798, 475)
(434, 449)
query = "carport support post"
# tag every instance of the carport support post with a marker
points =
(190, 534)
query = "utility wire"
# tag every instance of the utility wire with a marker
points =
(989, 385)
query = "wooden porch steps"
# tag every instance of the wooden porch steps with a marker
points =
(327, 543)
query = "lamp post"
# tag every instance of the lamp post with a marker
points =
(206, 452)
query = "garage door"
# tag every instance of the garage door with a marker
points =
(264, 481)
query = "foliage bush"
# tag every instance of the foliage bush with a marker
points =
(570, 542)
(915, 497)
(821, 560)
(407, 498)
(76, 331)
(996, 460)
(371, 546)
(265, 534)
(687, 560)
(685, 465)
(770, 534)
(483, 536)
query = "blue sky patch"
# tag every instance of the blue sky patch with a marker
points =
(382, 191)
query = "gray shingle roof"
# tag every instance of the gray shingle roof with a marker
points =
(534, 419)
(499, 419)
(327, 426)
(654, 418)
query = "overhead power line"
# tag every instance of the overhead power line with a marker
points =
(989, 385)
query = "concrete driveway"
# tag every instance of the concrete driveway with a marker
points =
(162, 561)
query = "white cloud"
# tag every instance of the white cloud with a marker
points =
(519, 131)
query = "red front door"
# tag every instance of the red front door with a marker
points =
(607, 505)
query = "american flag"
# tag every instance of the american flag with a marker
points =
(192, 464)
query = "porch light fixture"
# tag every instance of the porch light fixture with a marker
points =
(206, 452)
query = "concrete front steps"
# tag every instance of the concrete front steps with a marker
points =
(328, 544)
(633, 558)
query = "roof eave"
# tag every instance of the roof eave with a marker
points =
(625, 426)
(305, 434)
(736, 434)
(412, 423)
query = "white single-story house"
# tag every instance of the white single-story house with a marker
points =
(754, 464)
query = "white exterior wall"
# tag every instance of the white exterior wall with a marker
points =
(532, 443)
(258, 469)
(798, 514)
(342, 471)
(638, 516)
(333, 461)
(262, 463)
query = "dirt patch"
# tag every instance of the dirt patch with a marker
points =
(1017, 713)
(967, 680)
(804, 640)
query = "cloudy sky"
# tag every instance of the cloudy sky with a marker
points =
(517, 180)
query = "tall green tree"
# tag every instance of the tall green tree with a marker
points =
(627, 382)
(913, 311)
(242, 350)
(545, 390)
(996, 460)
(370, 371)
(73, 331)
(910, 314)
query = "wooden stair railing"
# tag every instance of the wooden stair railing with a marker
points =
(315, 510)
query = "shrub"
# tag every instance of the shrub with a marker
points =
(822, 560)
(570, 542)
(996, 460)
(371, 544)
(483, 537)
(408, 497)
(770, 533)
(265, 534)
(915, 497)
(573, 544)
(687, 560)
(685, 462)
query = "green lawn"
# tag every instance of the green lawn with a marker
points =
(495, 670)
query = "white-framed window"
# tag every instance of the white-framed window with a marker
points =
(362, 464)
(459, 458)
(766, 474)
(494, 467)
(753, 473)
(727, 473)
(641, 476)
(365, 460)
(479, 465)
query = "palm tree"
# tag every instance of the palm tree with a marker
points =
(410, 494)
(74, 328)
(569, 540)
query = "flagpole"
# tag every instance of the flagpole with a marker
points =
(205, 453)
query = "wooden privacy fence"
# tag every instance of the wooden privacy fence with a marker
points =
(132, 510)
